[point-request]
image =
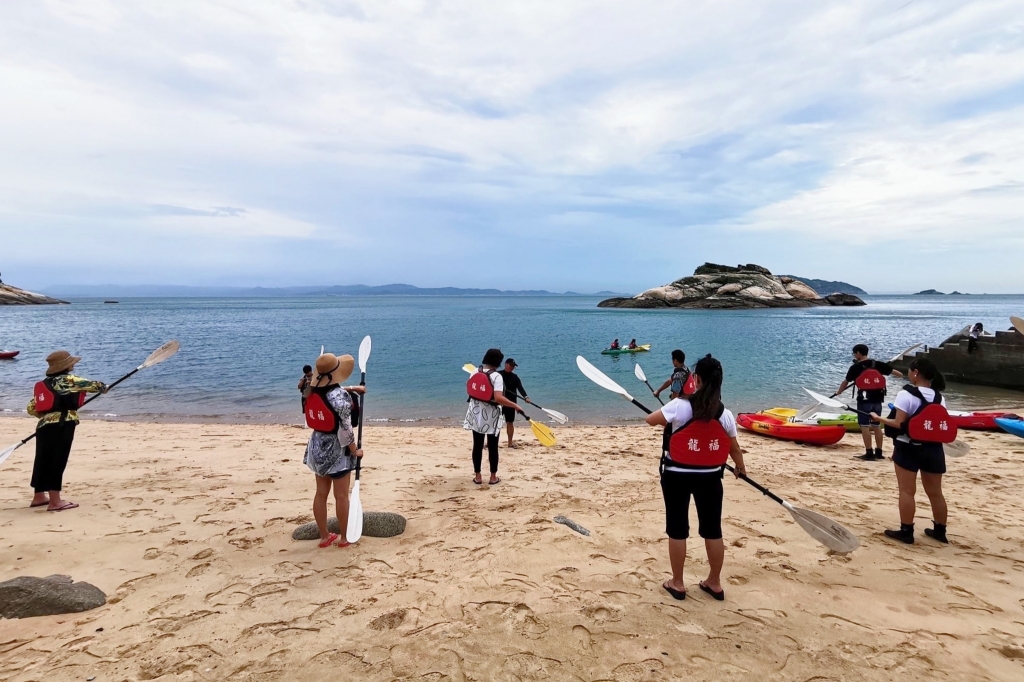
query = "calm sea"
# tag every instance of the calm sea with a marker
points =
(241, 358)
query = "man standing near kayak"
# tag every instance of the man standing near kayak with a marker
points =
(869, 377)
(513, 388)
(680, 373)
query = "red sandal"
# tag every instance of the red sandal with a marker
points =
(329, 540)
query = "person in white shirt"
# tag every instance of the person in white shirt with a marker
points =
(703, 436)
(485, 420)
(909, 457)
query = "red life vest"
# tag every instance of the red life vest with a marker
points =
(931, 422)
(700, 443)
(870, 379)
(320, 416)
(690, 387)
(48, 400)
(479, 386)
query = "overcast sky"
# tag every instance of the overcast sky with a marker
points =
(559, 144)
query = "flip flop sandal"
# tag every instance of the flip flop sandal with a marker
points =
(720, 596)
(343, 543)
(65, 506)
(476, 482)
(494, 482)
(328, 541)
(676, 594)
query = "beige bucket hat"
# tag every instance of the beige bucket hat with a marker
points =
(60, 361)
(333, 369)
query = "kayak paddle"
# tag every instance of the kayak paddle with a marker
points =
(557, 416)
(355, 505)
(957, 448)
(639, 372)
(1018, 324)
(155, 358)
(823, 529)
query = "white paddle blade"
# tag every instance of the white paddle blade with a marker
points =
(557, 416)
(825, 401)
(469, 368)
(8, 452)
(321, 350)
(904, 353)
(599, 377)
(956, 449)
(544, 435)
(639, 372)
(364, 353)
(160, 354)
(355, 516)
(824, 530)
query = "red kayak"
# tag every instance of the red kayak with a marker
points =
(8, 354)
(811, 434)
(979, 421)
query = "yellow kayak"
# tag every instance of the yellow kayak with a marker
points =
(820, 418)
(618, 351)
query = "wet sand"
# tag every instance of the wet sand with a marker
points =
(187, 528)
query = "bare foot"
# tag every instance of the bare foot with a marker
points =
(39, 501)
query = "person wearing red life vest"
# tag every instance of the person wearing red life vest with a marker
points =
(703, 438)
(484, 418)
(918, 427)
(868, 376)
(679, 384)
(331, 452)
(55, 401)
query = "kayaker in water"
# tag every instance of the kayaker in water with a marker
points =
(910, 457)
(513, 389)
(331, 452)
(693, 465)
(680, 373)
(615, 345)
(55, 401)
(483, 417)
(632, 345)
(869, 377)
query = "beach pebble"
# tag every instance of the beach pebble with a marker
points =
(27, 596)
(375, 525)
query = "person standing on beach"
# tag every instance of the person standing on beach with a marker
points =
(680, 373)
(55, 401)
(305, 385)
(869, 377)
(693, 465)
(910, 457)
(484, 417)
(331, 452)
(513, 388)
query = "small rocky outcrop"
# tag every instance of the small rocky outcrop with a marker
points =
(14, 296)
(726, 287)
(26, 596)
(375, 525)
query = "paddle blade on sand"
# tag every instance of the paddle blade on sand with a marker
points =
(355, 515)
(639, 372)
(544, 435)
(824, 530)
(364, 353)
(160, 354)
(957, 448)
(8, 452)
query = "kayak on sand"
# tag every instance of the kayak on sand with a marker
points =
(8, 354)
(779, 427)
(619, 351)
(979, 421)
(791, 414)
(1010, 425)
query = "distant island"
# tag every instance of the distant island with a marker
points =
(825, 287)
(933, 292)
(113, 291)
(714, 286)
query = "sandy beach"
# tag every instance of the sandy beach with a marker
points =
(187, 528)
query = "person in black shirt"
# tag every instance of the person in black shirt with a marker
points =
(868, 400)
(513, 389)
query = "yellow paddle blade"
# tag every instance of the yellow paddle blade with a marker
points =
(469, 367)
(545, 435)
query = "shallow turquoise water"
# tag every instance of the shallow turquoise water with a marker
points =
(241, 358)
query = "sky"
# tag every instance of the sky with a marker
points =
(582, 145)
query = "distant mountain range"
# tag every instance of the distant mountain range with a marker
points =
(162, 291)
(825, 287)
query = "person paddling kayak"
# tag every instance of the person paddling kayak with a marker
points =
(513, 389)
(615, 345)
(693, 465)
(915, 450)
(55, 401)
(331, 452)
(483, 417)
(868, 376)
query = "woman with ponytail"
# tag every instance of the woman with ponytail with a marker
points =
(909, 457)
(692, 465)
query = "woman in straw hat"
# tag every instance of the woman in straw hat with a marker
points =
(331, 453)
(55, 401)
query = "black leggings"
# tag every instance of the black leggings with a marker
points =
(53, 446)
(478, 451)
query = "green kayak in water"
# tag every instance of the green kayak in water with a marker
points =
(620, 351)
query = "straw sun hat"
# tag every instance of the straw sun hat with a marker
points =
(60, 361)
(333, 369)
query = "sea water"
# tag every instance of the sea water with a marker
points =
(241, 359)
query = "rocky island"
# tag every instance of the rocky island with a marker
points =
(725, 287)
(14, 296)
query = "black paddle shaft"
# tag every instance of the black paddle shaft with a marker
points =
(362, 418)
(652, 392)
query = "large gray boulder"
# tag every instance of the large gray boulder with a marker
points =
(726, 287)
(27, 596)
(375, 525)
(14, 296)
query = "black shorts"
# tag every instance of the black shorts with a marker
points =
(340, 474)
(706, 490)
(867, 408)
(927, 457)
(509, 413)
